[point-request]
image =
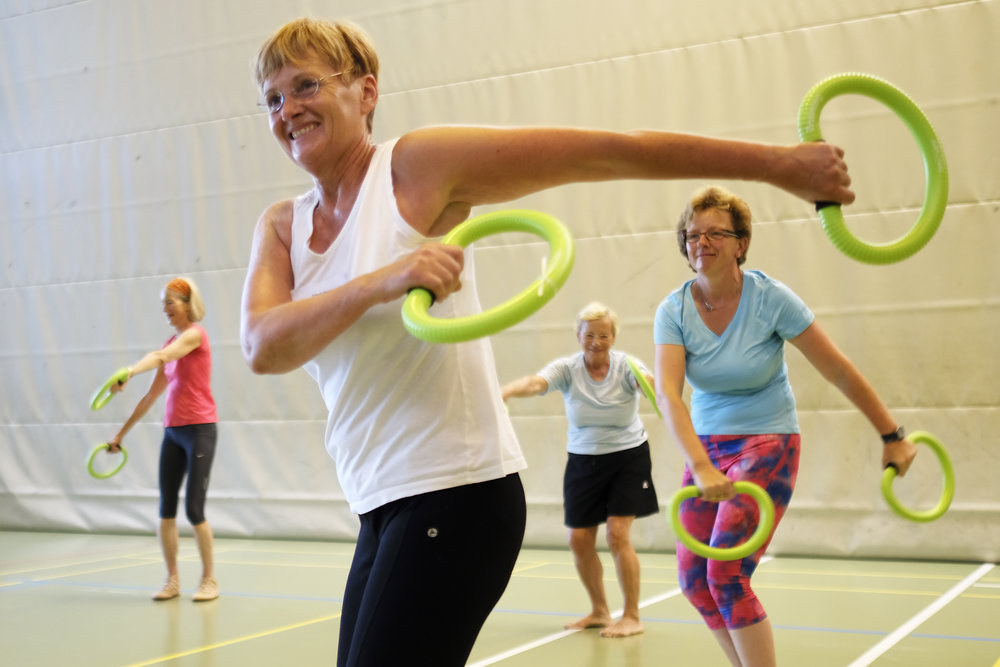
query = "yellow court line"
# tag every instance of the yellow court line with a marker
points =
(875, 575)
(836, 589)
(284, 565)
(524, 568)
(142, 554)
(980, 596)
(238, 640)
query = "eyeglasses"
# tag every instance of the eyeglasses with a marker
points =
(302, 90)
(713, 235)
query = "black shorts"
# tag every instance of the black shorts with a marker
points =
(602, 485)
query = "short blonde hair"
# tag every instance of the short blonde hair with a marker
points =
(343, 45)
(195, 304)
(719, 198)
(596, 311)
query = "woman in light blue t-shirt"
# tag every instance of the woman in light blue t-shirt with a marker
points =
(724, 332)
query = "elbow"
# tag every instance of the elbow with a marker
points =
(259, 362)
(257, 365)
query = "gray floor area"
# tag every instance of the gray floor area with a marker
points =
(84, 600)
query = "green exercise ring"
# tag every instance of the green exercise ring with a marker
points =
(103, 447)
(947, 494)
(644, 384)
(743, 550)
(103, 395)
(935, 167)
(456, 330)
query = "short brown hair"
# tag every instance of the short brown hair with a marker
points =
(719, 198)
(342, 44)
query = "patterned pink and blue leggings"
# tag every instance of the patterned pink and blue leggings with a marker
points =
(720, 590)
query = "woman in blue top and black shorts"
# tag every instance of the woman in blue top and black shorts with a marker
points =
(608, 472)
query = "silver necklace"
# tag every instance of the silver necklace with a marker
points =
(709, 307)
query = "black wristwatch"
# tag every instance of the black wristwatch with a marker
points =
(895, 436)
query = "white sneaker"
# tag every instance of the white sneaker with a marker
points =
(207, 590)
(170, 590)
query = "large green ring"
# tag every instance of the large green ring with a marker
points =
(456, 330)
(103, 395)
(743, 550)
(947, 494)
(643, 384)
(935, 167)
(111, 473)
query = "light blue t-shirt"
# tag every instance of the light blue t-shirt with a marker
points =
(603, 416)
(739, 380)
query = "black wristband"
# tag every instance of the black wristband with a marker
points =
(895, 436)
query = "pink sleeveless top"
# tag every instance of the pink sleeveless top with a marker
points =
(189, 386)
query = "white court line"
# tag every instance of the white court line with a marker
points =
(897, 635)
(524, 648)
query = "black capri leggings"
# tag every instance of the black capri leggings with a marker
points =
(427, 571)
(186, 450)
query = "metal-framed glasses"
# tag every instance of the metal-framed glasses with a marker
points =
(715, 235)
(303, 89)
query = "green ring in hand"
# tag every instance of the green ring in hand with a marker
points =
(947, 494)
(456, 330)
(103, 395)
(743, 550)
(103, 447)
(935, 167)
(644, 384)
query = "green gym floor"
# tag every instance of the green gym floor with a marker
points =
(84, 600)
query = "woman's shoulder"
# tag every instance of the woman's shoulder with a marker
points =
(675, 298)
(762, 281)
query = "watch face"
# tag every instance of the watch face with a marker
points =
(895, 436)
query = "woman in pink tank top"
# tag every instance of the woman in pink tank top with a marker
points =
(183, 368)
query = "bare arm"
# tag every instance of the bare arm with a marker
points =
(833, 365)
(529, 385)
(156, 387)
(179, 347)
(437, 167)
(670, 367)
(279, 335)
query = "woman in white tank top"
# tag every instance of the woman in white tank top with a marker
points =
(410, 421)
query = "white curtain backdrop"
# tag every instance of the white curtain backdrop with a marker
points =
(131, 151)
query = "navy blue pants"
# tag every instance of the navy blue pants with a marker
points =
(186, 450)
(427, 571)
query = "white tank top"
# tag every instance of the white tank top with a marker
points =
(406, 417)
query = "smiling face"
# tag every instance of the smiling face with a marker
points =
(707, 254)
(596, 337)
(177, 310)
(313, 130)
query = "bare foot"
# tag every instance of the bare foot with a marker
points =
(626, 627)
(591, 621)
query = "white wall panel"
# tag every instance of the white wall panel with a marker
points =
(132, 151)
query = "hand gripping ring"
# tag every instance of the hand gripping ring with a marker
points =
(111, 473)
(643, 384)
(456, 330)
(103, 395)
(947, 493)
(935, 167)
(743, 550)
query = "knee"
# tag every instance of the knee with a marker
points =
(195, 514)
(582, 541)
(619, 541)
(726, 586)
(695, 588)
